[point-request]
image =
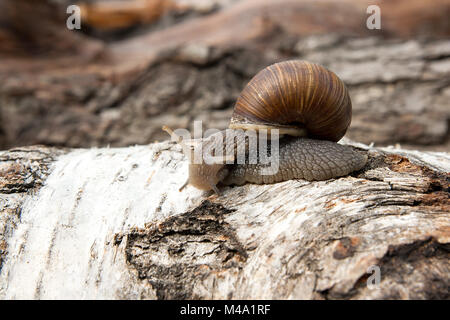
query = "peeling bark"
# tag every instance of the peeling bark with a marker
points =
(22, 173)
(111, 223)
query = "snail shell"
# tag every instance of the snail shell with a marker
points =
(301, 99)
(297, 97)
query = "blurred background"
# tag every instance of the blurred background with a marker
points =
(136, 65)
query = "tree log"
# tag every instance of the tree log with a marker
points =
(399, 89)
(38, 27)
(110, 223)
(81, 92)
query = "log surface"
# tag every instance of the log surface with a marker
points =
(110, 223)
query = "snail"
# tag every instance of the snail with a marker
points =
(307, 105)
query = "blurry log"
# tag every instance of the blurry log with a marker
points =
(416, 18)
(399, 91)
(174, 76)
(30, 27)
(250, 19)
(40, 23)
(123, 14)
(111, 224)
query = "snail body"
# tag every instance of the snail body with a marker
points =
(308, 105)
(313, 160)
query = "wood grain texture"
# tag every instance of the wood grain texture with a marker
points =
(111, 223)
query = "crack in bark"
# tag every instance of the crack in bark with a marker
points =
(400, 261)
(182, 251)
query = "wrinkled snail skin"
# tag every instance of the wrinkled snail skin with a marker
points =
(311, 108)
(301, 158)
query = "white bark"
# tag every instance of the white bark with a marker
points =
(111, 224)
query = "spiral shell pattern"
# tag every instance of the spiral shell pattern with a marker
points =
(296, 94)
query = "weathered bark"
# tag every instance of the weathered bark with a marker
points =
(111, 223)
(399, 92)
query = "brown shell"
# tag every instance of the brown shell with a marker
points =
(296, 93)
